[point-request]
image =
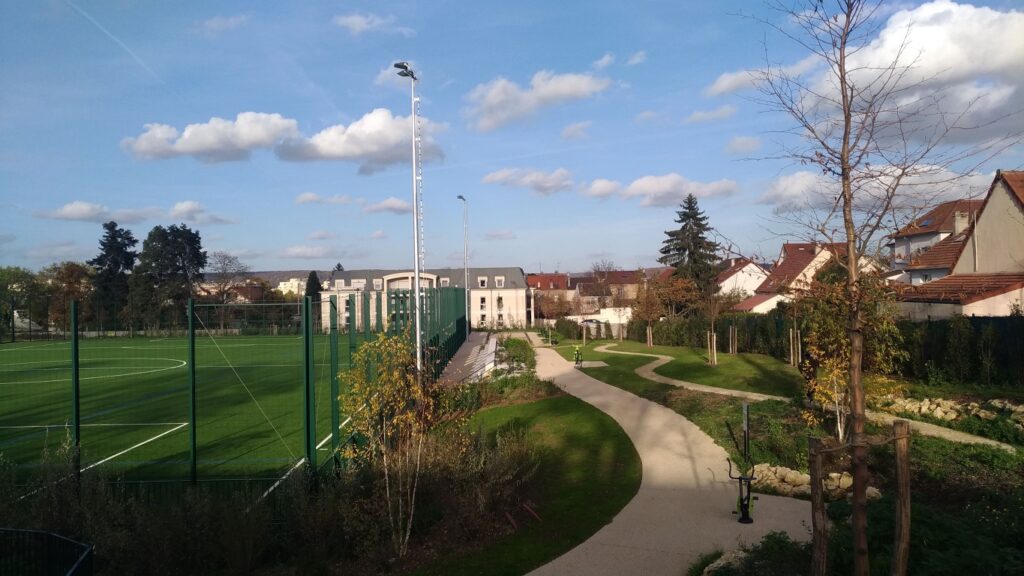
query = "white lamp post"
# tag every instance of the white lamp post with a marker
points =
(465, 253)
(405, 71)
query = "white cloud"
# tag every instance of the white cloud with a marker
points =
(543, 183)
(720, 113)
(220, 24)
(218, 140)
(637, 58)
(356, 24)
(500, 101)
(193, 212)
(91, 212)
(743, 145)
(391, 204)
(746, 79)
(671, 189)
(646, 116)
(504, 234)
(601, 188)
(322, 235)
(375, 141)
(378, 235)
(576, 130)
(314, 198)
(306, 251)
(604, 61)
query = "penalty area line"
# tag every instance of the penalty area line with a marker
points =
(139, 445)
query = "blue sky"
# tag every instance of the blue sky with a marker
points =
(280, 132)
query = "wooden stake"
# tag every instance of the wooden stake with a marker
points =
(819, 521)
(901, 546)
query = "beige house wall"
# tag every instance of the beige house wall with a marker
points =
(997, 243)
(487, 314)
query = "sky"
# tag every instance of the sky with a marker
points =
(574, 129)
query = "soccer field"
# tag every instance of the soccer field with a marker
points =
(134, 404)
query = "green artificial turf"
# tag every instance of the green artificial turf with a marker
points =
(135, 404)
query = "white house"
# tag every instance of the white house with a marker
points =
(917, 237)
(987, 276)
(794, 270)
(741, 275)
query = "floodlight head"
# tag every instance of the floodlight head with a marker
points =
(461, 197)
(405, 74)
(402, 66)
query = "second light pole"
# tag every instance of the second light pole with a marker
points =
(406, 71)
(465, 254)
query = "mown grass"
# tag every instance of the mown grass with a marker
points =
(589, 470)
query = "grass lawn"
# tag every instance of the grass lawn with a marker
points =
(746, 372)
(589, 471)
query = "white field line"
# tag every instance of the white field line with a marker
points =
(140, 444)
(180, 364)
(29, 426)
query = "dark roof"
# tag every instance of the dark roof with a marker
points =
(963, 288)
(939, 219)
(942, 255)
(514, 277)
(794, 260)
(737, 265)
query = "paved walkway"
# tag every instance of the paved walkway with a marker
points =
(923, 428)
(684, 506)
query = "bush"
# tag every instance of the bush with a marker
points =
(518, 354)
(567, 329)
(775, 555)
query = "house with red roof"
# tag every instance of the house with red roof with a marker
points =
(794, 270)
(740, 275)
(987, 270)
(911, 243)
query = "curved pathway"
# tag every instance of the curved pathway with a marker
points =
(684, 505)
(923, 428)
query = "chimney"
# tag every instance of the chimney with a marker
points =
(960, 222)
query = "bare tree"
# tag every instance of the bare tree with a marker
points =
(876, 131)
(602, 285)
(227, 273)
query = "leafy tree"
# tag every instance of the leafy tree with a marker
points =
(313, 286)
(20, 289)
(113, 265)
(67, 281)
(688, 249)
(655, 297)
(552, 306)
(338, 267)
(169, 270)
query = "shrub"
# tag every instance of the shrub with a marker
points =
(567, 329)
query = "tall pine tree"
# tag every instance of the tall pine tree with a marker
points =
(688, 249)
(113, 265)
(313, 287)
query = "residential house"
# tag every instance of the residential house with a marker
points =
(740, 275)
(987, 276)
(794, 270)
(917, 237)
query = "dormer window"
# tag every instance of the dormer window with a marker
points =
(499, 281)
(481, 281)
(445, 282)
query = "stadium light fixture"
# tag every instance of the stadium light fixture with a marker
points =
(465, 254)
(406, 71)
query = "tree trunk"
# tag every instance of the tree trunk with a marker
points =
(650, 337)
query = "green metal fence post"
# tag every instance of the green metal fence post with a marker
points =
(307, 376)
(366, 316)
(192, 450)
(335, 388)
(76, 424)
(351, 329)
(380, 311)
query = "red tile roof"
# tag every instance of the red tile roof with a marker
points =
(940, 218)
(964, 288)
(750, 303)
(795, 258)
(1014, 181)
(942, 255)
(556, 281)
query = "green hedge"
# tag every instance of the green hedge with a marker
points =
(987, 351)
(758, 333)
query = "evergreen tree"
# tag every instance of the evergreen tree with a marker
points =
(688, 249)
(113, 265)
(169, 270)
(313, 286)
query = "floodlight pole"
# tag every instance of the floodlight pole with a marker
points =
(406, 71)
(465, 254)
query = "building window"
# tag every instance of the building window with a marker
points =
(378, 283)
(501, 302)
(359, 284)
(445, 282)
(501, 319)
(481, 281)
(499, 281)
(483, 318)
(483, 303)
